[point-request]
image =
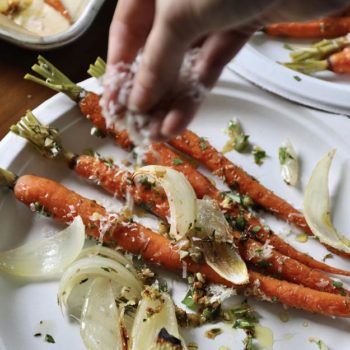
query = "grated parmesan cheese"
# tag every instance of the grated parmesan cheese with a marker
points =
(118, 81)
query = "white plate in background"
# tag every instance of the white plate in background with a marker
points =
(257, 62)
(268, 120)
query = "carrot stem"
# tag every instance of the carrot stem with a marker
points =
(44, 138)
(7, 178)
(54, 79)
(308, 67)
(97, 69)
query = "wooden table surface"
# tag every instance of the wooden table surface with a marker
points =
(18, 95)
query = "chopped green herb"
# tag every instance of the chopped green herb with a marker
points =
(288, 47)
(238, 140)
(143, 179)
(241, 143)
(177, 161)
(37, 335)
(49, 338)
(297, 78)
(241, 223)
(203, 143)
(83, 281)
(284, 155)
(163, 286)
(256, 229)
(327, 256)
(189, 302)
(338, 284)
(259, 155)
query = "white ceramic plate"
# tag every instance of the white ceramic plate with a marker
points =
(257, 63)
(268, 119)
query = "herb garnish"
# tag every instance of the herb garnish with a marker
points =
(49, 338)
(177, 161)
(259, 155)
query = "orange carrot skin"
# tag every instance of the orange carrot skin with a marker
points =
(119, 183)
(330, 27)
(163, 155)
(64, 205)
(287, 268)
(190, 143)
(90, 107)
(58, 6)
(340, 61)
(301, 297)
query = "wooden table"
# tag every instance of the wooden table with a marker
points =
(18, 95)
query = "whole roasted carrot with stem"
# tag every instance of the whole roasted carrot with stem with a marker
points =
(160, 153)
(63, 205)
(329, 27)
(120, 183)
(338, 62)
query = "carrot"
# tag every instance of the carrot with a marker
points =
(64, 205)
(89, 105)
(59, 7)
(329, 27)
(338, 62)
(275, 263)
(236, 178)
(108, 176)
(300, 297)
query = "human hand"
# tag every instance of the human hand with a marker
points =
(167, 29)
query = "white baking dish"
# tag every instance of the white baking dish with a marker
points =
(82, 12)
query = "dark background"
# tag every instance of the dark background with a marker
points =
(18, 95)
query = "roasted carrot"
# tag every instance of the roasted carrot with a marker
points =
(330, 27)
(338, 62)
(274, 263)
(64, 205)
(120, 183)
(236, 178)
(59, 7)
(89, 105)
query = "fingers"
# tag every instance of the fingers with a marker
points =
(216, 52)
(129, 29)
(166, 45)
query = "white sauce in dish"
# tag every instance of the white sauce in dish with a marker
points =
(41, 19)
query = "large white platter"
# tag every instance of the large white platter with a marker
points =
(268, 119)
(257, 63)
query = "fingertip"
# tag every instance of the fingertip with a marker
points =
(179, 117)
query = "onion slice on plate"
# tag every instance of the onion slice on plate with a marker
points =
(109, 253)
(155, 312)
(46, 258)
(124, 283)
(225, 260)
(181, 197)
(317, 206)
(100, 326)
